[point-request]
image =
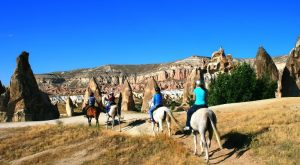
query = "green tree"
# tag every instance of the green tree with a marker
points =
(241, 85)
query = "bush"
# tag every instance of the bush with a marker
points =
(239, 86)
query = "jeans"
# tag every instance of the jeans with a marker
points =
(151, 110)
(190, 112)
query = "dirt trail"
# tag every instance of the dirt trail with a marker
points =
(136, 124)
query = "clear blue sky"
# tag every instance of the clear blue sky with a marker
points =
(68, 34)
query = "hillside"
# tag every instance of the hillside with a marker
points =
(170, 75)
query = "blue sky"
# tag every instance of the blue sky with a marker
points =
(69, 34)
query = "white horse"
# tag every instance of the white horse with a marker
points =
(163, 114)
(204, 120)
(113, 112)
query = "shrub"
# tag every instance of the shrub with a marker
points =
(239, 86)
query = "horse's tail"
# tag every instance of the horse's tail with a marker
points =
(215, 131)
(168, 111)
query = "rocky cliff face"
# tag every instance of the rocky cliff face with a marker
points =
(290, 83)
(26, 101)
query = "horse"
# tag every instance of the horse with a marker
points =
(160, 115)
(204, 120)
(93, 112)
(113, 112)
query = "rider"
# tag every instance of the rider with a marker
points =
(111, 101)
(157, 102)
(200, 102)
(90, 103)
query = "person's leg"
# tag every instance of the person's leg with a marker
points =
(151, 110)
(189, 115)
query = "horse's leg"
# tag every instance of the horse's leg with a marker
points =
(107, 121)
(97, 120)
(89, 120)
(201, 147)
(168, 120)
(203, 139)
(153, 125)
(195, 142)
(210, 135)
(119, 122)
(113, 122)
(161, 125)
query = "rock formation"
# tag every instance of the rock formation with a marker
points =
(291, 74)
(148, 93)
(127, 98)
(2, 88)
(69, 106)
(220, 62)
(190, 85)
(96, 89)
(25, 97)
(264, 65)
(169, 75)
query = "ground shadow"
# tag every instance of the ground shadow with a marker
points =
(239, 142)
(116, 122)
(134, 123)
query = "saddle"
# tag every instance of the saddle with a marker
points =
(91, 111)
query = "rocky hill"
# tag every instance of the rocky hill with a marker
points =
(170, 76)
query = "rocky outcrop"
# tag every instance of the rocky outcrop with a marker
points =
(127, 98)
(264, 65)
(190, 85)
(25, 98)
(96, 89)
(291, 74)
(2, 88)
(220, 62)
(69, 106)
(148, 94)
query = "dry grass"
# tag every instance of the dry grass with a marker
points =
(58, 144)
(272, 132)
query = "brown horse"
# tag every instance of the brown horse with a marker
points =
(93, 112)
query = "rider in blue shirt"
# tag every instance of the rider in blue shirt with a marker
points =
(201, 102)
(90, 103)
(157, 102)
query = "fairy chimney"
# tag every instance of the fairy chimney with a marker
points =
(127, 97)
(95, 88)
(69, 106)
(148, 94)
(190, 85)
(291, 74)
(25, 95)
(264, 65)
